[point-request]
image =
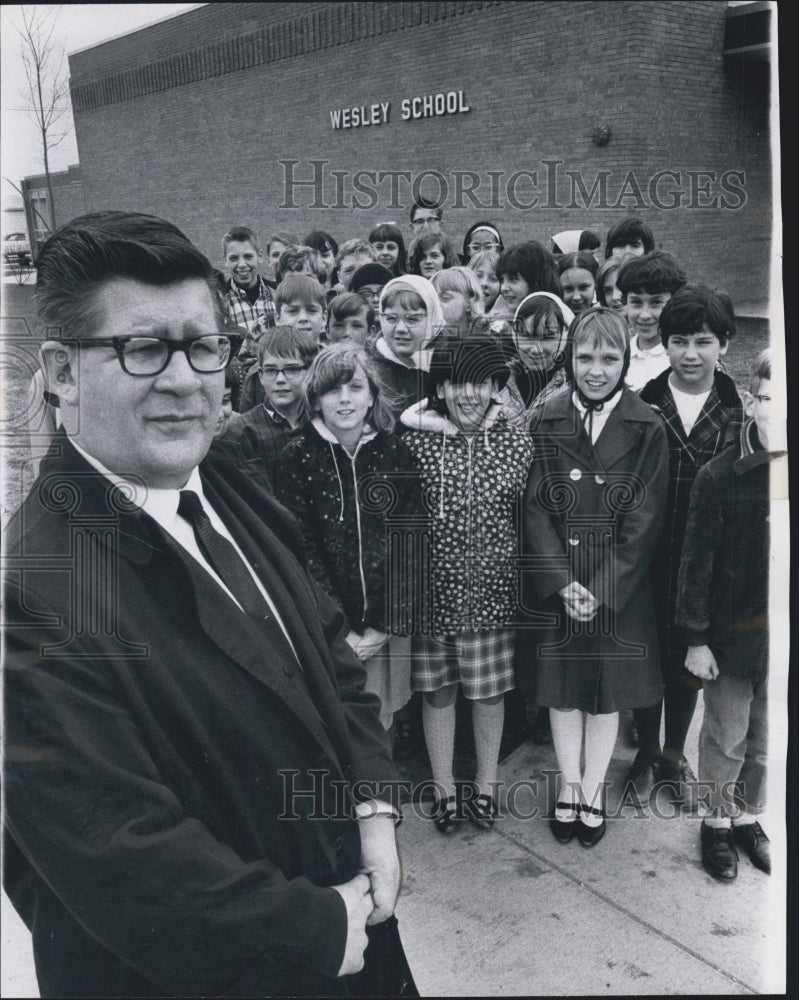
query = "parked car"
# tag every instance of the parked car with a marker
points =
(17, 250)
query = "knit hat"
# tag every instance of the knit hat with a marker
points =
(370, 274)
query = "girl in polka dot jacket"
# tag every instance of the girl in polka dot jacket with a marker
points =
(473, 468)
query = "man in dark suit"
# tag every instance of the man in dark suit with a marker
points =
(200, 798)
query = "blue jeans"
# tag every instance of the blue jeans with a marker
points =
(733, 744)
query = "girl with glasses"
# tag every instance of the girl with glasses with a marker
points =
(480, 237)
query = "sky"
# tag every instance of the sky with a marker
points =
(78, 26)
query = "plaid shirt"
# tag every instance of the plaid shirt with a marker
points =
(262, 433)
(717, 427)
(257, 317)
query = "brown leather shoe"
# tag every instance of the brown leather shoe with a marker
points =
(751, 838)
(719, 857)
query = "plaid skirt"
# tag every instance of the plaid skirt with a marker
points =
(482, 662)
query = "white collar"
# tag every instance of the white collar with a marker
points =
(159, 503)
(607, 406)
(649, 352)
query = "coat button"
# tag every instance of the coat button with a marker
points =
(599, 480)
(574, 540)
(575, 474)
(288, 670)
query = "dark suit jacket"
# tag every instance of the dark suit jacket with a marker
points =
(152, 735)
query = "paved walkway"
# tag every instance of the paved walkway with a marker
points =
(510, 912)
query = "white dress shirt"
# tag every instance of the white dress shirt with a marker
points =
(162, 506)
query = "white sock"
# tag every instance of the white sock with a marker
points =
(744, 819)
(487, 722)
(600, 739)
(567, 736)
(718, 822)
(439, 735)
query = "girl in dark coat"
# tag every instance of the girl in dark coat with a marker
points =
(410, 317)
(345, 478)
(593, 510)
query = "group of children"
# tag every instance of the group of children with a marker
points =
(495, 459)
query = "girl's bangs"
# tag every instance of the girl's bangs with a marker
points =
(601, 328)
(331, 371)
(406, 298)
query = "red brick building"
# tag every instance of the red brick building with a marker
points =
(540, 116)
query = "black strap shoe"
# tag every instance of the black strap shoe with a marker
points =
(751, 838)
(590, 835)
(719, 857)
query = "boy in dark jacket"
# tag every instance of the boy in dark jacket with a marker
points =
(722, 604)
(703, 415)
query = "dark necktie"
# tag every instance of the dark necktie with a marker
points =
(230, 568)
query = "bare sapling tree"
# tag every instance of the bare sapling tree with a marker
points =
(48, 89)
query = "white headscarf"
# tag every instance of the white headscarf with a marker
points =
(435, 317)
(566, 313)
(568, 240)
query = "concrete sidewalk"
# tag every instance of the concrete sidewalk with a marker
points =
(510, 912)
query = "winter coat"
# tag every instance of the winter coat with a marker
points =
(406, 385)
(593, 513)
(261, 433)
(722, 600)
(472, 490)
(717, 427)
(147, 846)
(348, 506)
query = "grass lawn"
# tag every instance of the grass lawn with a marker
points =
(20, 346)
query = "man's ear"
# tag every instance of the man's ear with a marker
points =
(749, 403)
(57, 362)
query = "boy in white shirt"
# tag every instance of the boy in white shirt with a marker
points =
(646, 284)
(703, 415)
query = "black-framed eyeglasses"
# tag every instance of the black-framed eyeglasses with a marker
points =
(151, 355)
(287, 371)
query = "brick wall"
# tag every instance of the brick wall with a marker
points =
(68, 193)
(192, 117)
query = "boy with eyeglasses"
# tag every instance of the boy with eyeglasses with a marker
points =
(426, 217)
(284, 355)
(301, 303)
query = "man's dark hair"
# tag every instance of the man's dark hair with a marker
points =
(653, 273)
(426, 203)
(695, 306)
(80, 257)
